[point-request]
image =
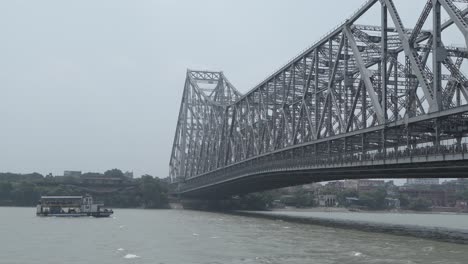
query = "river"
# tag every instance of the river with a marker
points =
(183, 237)
(443, 220)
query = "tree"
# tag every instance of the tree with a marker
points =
(303, 198)
(256, 201)
(463, 195)
(25, 194)
(94, 174)
(153, 193)
(404, 200)
(5, 190)
(341, 197)
(373, 200)
(419, 204)
(33, 177)
(114, 173)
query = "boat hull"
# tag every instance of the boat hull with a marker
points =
(94, 214)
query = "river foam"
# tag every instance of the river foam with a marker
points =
(131, 256)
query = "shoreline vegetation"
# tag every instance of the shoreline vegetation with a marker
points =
(112, 188)
(116, 189)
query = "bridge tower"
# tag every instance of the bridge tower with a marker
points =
(201, 124)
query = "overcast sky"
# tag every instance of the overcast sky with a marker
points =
(96, 84)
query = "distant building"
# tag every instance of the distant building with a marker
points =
(423, 181)
(462, 181)
(288, 199)
(351, 184)
(392, 189)
(370, 185)
(338, 185)
(128, 174)
(75, 174)
(327, 200)
(392, 202)
(312, 186)
(460, 204)
(102, 180)
(437, 197)
(351, 201)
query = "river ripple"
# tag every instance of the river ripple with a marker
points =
(182, 236)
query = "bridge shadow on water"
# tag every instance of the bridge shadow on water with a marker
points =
(231, 207)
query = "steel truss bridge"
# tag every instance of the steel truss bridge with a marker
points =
(366, 101)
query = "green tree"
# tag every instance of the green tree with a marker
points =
(153, 193)
(302, 198)
(256, 201)
(404, 200)
(374, 200)
(114, 173)
(420, 204)
(341, 197)
(25, 194)
(462, 195)
(97, 174)
(5, 190)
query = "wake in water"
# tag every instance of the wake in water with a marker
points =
(128, 255)
(131, 256)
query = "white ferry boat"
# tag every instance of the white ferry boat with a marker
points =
(71, 206)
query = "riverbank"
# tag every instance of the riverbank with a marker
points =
(452, 235)
(346, 210)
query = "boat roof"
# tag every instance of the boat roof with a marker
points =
(61, 197)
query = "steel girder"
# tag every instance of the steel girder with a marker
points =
(359, 78)
(202, 120)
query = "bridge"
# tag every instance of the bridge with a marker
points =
(365, 101)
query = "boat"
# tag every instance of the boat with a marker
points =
(71, 206)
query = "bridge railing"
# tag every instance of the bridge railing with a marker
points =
(280, 163)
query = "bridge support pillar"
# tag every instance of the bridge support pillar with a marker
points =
(437, 134)
(438, 52)
(384, 142)
(363, 144)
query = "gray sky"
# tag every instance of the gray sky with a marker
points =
(96, 84)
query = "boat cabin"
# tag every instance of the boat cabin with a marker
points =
(71, 206)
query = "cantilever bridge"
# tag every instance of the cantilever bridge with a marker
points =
(366, 101)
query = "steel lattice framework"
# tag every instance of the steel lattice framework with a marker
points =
(364, 93)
